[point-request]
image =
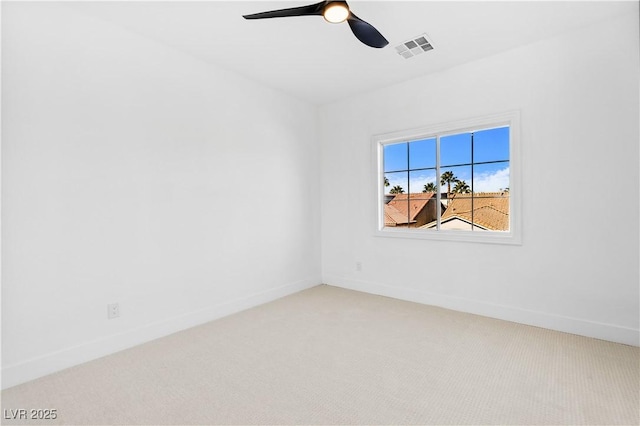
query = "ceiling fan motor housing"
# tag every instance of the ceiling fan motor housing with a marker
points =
(335, 12)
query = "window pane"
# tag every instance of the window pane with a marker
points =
(455, 149)
(491, 145)
(396, 183)
(395, 157)
(456, 187)
(423, 181)
(450, 176)
(491, 211)
(422, 154)
(492, 177)
(396, 208)
(421, 203)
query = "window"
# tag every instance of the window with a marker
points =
(457, 181)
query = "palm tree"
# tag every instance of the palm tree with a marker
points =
(430, 187)
(386, 181)
(448, 177)
(461, 187)
(396, 190)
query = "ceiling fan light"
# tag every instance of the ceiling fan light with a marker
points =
(336, 12)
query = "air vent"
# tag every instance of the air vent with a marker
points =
(413, 47)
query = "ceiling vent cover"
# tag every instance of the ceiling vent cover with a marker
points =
(413, 47)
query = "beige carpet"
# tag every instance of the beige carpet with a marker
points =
(334, 356)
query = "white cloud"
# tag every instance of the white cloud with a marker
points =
(491, 181)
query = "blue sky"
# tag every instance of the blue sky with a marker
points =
(455, 156)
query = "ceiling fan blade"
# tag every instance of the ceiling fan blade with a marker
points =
(365, 32)
(312, 9)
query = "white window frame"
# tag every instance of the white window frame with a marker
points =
(513, 236)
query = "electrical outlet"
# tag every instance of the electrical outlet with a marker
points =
(113, 311)
(359, 266)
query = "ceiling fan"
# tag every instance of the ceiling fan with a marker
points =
(334, 12)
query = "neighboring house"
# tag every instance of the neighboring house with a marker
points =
(486, 211)
(410, 210)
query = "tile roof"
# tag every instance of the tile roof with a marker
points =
(393, 217)
(490, 209)
(413, 203)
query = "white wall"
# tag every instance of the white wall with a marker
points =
(577, 269)
(133, 173)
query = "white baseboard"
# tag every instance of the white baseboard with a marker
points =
(52, 362)
(582, 327)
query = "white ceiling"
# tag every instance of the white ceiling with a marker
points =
(320, 62)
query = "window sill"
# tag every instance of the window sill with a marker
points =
(509, 238)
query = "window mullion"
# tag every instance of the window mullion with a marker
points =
(472, 193)
(408, 185)
(438, 191)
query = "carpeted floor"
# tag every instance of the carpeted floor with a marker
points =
(333, 356)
